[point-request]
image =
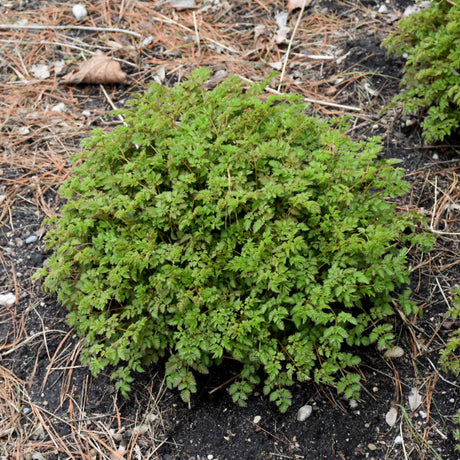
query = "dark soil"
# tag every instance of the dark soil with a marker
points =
(214, 427)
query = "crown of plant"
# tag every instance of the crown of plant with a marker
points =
(216, 224)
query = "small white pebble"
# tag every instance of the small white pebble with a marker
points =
(353, 403)
(24, 130)
(395, 352)
(304, 412)
(210, 457)
(399, 440)
(79, 11)
(383, 9)
(257, 419)
(435, 156)
(86, 113)
(31, 239)
(7, 300)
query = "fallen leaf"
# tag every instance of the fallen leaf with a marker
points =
(99, 69)
(391, 416)
(281, 19)
(183, 4)
(395, 352)
(414, 399)
(59, 67)
(294, 4)
(40, 71)
(276, 65)
(281, 35)
(283, 29)
(259, 30)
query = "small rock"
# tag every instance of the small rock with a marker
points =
(40, 71)
(435, 156)
(24, 130)
(415, 8)
(59, 108)
(399, 440)
(79, 11)
(257, 419)
(371, 446)
(304, 412)
(6, 300)
(31, 239)
(353, 403)
(395, 352)
(391, 416)
(383, 9)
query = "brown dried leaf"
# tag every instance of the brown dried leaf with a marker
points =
(294, 4)
(99, 69)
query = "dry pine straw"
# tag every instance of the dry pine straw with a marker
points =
(145, 37)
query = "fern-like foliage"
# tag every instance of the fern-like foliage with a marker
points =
(431, 40)
(218, 223)
(450, 356)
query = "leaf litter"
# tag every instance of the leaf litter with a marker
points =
(99, 69)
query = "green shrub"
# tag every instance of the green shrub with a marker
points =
(216, 224)
(431, 39)
(450, 356)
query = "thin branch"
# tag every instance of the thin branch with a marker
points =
(90, 29)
